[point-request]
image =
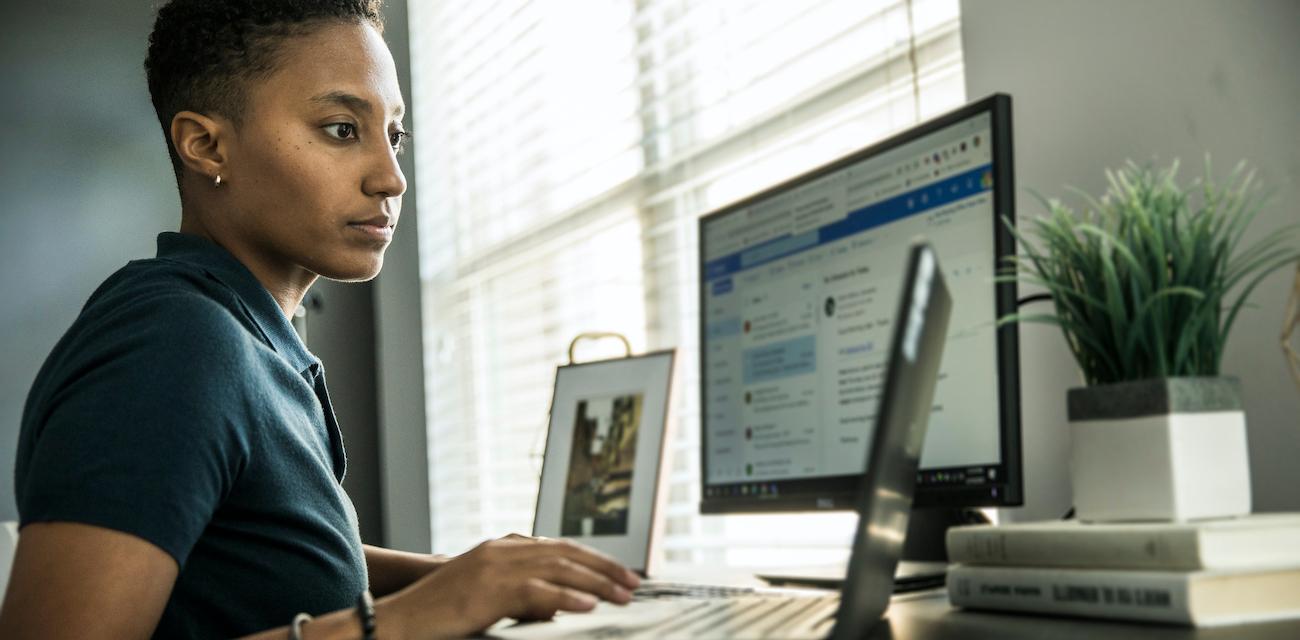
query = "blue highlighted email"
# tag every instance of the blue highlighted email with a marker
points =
(723, 286)
(778, 360)
(727, 328)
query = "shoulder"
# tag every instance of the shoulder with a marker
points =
(142, 418)
(154, 326)
(178, 305)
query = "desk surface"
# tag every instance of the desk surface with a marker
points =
(928, 616)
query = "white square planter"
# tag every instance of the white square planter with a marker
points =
(1163, 449)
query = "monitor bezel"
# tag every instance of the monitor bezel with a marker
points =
(840, 492)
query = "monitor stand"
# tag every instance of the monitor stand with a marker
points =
(923, 565)
(927, 530)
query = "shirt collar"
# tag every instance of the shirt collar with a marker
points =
(256, 300)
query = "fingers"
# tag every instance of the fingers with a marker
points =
(594, 560)
(541, 600)
(546, 575)
(562, 571)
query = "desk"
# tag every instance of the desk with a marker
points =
(927, 615)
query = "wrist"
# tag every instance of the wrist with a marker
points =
(345, 624)
(391, 571)
(390, 620)
(413, 613)
(366, 613)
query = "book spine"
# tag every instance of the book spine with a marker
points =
(1170, 551)
(1116, 595)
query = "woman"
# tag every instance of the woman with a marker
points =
(179, 466)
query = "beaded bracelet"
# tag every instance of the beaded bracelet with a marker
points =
(295, 630)
(366, 611)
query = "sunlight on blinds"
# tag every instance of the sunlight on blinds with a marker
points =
(566, 151)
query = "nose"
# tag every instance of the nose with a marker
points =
(384, 178)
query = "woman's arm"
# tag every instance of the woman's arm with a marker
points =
(391, 570)
(80, 581)
(511, 577)
(72, 580)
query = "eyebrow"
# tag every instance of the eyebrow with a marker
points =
(354, 102)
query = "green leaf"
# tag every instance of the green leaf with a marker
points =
(1139, 276)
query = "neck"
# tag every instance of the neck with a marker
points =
(287, 284)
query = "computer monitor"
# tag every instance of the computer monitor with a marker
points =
(798, 285)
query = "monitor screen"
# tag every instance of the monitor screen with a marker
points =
(798, 287)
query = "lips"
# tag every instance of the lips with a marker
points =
(380, 220)
(378, 228)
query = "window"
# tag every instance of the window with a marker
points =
(566, 151)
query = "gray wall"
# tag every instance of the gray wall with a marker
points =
(86, 184)
(1098, 82)
(86, 187)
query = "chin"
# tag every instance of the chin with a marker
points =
(358, 271)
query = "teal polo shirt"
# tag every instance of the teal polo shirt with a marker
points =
(181, 407)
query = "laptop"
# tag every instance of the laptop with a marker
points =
(884, 506)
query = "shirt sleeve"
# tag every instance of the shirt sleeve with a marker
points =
(146, 430)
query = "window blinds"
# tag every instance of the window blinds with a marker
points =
(565, 152)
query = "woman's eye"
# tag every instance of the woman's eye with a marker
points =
(396, 138)
(341, 130)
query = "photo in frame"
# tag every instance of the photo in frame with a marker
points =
(604, 445)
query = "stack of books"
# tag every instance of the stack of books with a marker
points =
(1207, 573)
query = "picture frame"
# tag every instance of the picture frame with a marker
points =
(604, 448)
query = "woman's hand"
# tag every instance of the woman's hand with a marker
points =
(513, 577)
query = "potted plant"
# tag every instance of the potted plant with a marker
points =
(1146, 285)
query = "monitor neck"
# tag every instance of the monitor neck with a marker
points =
(927, 528)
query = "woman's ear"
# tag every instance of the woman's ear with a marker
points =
(200, 143)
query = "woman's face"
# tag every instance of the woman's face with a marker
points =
(313, 181)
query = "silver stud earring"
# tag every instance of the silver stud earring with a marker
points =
(216, 182)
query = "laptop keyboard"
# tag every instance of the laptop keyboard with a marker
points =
(747, 617)
(653, 590)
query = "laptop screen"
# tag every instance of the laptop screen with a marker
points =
(885, 500)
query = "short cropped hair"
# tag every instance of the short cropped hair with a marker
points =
(203, 53)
